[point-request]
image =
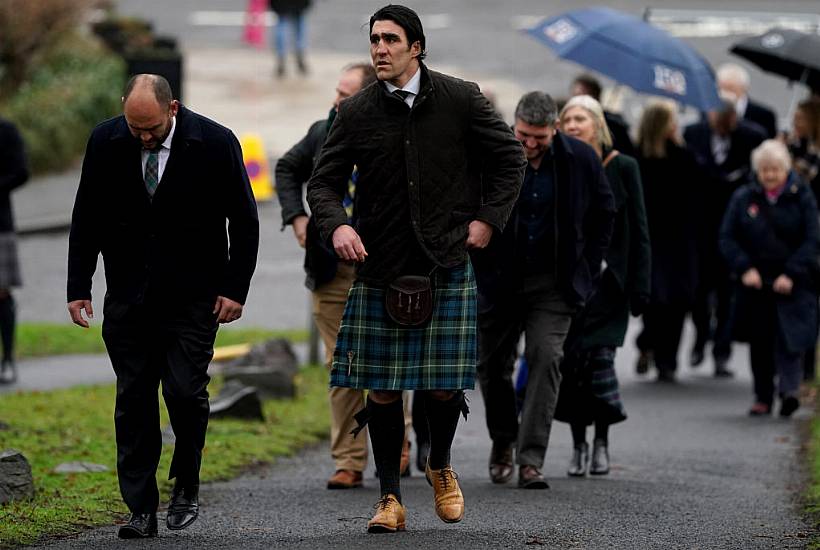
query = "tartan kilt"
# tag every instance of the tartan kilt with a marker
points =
(9, 261)
(589, 390)
(373, 352)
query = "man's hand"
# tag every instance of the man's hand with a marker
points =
(783, 285)
(75, 310)
(226, 310)
(752, 279)
(348, 245)
(300, 229)
(479, 234)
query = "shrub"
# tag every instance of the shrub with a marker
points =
(77, 84)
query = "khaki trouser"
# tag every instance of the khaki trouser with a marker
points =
(329, 300)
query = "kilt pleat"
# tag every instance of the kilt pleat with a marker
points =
(373, 352)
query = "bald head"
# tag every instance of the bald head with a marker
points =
(149, 108)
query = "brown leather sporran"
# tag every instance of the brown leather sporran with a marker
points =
(409, 300)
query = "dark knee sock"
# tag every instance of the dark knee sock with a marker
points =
(602, 432)
(579, 433)
(7, 322)
(442, 419)
(386, 428)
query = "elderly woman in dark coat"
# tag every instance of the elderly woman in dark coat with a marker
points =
(770, 238)
(589, 390)
(669, 175)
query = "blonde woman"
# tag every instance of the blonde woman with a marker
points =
(589, 391)
(672, 191)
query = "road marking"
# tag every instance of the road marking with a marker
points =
(717, 23)
(226, 19)
(709, 24)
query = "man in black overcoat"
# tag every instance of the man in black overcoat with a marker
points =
(735, 79)
(722, 146)
(158, 186)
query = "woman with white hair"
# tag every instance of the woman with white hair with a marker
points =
(770, 238)
(589, 388)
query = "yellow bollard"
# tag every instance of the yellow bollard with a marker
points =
(256, 163)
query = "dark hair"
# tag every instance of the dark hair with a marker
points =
(537, 108)
(368, 72)
(592, 85)
(160, 86)
(408, 20)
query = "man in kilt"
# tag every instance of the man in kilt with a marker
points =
(439, 172)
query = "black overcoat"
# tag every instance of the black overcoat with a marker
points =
(13, 171)
(293, 170)
(175, 246)
(584, 214)
(626, 280)
(779, 238)
(672, 194)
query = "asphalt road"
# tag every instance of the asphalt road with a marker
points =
(690, 470)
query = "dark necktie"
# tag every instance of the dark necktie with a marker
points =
(152, 171)
(402, 94)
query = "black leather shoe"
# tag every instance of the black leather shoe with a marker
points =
(140, 526)
(789, 404)
(722, 369)
(530, 477)
(183, 508)
(501, 463)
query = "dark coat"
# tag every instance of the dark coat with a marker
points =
(584, 214)
(13, 171)
(720, 181)
(289, 7)
(174, 247)
(673, 209)
(762, 116)
(626, 280)
(424, 173)
(293, 170)
(620, 133)
(779, 238)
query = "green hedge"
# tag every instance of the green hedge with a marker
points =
(78, 85)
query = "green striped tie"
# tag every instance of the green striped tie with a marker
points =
(152, 171)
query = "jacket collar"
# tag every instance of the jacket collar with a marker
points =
(425, 87)
(792, 187)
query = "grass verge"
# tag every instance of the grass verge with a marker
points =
(811, 496)
(77, 425)
(40, 339)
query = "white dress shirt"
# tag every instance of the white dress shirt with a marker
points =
(164, 152)
(412, 86)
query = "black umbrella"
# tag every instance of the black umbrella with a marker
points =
(788, 53)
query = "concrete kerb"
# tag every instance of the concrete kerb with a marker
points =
(237, 88)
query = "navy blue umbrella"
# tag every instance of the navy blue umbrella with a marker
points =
(631, 52)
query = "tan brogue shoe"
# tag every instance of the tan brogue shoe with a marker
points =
(389, 516)
(448, 496)
(345, 479)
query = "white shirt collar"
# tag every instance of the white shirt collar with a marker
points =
(167, 142)
(413, 85)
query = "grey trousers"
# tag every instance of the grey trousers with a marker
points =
(539, 311)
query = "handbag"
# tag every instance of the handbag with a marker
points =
(409, 300)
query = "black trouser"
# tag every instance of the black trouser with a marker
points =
(541, 312)
(149, 343)
(768, 353)
(663, 325)
(714, 302)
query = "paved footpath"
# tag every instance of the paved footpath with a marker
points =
(690, 470)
